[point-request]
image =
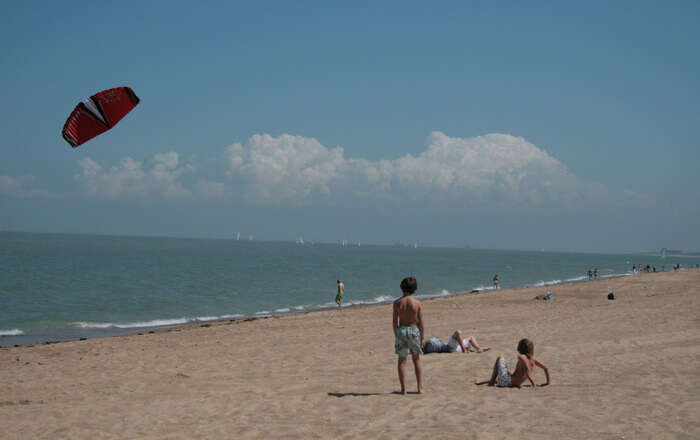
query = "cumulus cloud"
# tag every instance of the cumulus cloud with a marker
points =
(130, 179)
(285, 167)
(491, 170)
(494, 167)
(22, 187)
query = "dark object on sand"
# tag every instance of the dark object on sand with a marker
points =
(611, 295)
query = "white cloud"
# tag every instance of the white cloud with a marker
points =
(491, 170)
(22, 187)
(286, 167)
(494, 167)
(130, 179)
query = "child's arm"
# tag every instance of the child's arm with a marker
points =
(420, 323)
(531, 379)
(546, 371)
(395, 319)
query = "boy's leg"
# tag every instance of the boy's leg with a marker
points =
(402, 374)
(473, 343)
(494, 375)
(418, 367)
(460, 340)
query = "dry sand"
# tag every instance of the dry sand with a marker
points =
(620, 369)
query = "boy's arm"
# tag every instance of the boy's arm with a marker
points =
(420, 323)
(395, 319)
(546, 371)
(531, 379)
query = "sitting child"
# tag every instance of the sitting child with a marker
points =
(455, 344)
(523, 370)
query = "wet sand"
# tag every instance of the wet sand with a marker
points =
(620, 369)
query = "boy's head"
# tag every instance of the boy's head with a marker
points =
(409, 285)
(526, 347)
(338, 281)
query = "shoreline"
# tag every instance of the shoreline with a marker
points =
(82, 334)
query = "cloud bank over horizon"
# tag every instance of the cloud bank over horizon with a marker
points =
(489, 170)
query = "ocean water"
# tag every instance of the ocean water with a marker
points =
(62, 287)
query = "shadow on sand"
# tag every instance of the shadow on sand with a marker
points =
(366, 394)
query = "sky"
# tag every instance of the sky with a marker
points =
(568, 126)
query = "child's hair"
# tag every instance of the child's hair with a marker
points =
(409, 285)
(526, 347)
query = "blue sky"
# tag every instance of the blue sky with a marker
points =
(562, 126)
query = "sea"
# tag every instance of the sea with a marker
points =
(59, 287)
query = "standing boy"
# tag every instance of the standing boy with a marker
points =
(408, 332)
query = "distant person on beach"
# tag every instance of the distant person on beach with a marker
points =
(595, 273)
(590, 274)
(339, 295)
(502, 377)
(456, 344)
(407, 322)
(495, 281)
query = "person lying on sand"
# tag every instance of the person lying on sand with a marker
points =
(456, 344)
(523, 370)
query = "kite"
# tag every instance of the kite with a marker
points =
(97, 114)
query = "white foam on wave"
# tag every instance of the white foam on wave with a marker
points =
(376, 300)
(153, 323)
(144, 324)
(13, 332)
(263, 312)
(282, 310)
(546, 283)
(481, 288)
(216, 318)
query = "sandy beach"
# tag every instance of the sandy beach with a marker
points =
(626, 368)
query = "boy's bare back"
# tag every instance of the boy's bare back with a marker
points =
(523, 370)
(408, 310)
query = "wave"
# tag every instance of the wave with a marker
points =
(152, 323)
(380, 299)
(547, 283)
(482, 288)
(13, 332)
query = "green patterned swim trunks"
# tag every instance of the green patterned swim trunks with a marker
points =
(407, 340)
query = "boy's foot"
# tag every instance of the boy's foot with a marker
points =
(483, 349)
(420, 391)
